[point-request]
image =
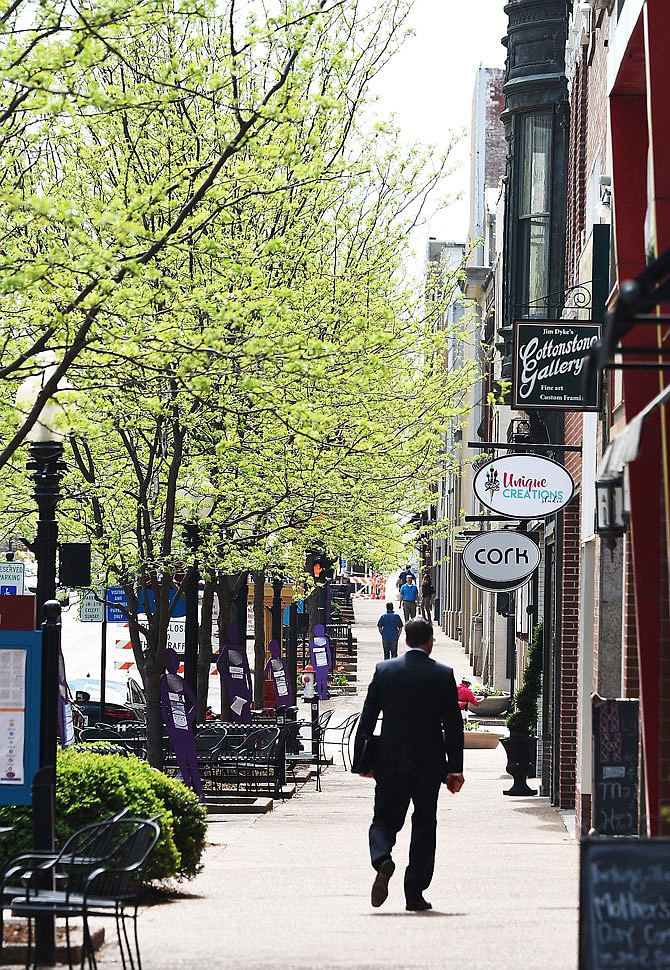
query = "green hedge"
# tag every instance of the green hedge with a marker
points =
(91, 786)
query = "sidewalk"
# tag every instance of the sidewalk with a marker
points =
(291, 890)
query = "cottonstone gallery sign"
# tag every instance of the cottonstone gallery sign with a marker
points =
(549, 362)
(523, 486)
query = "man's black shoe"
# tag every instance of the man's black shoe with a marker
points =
(380, 887)
(419, 905)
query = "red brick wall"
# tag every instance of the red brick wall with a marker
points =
(495, 142)
(596, 129)
(569, 681)
(587, 156)
(576, 176)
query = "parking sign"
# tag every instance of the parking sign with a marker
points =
(116, 594)
(91, 610)
(12, 578)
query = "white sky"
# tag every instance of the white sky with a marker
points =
(429, 85)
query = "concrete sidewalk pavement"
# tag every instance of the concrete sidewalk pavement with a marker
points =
(291, 889)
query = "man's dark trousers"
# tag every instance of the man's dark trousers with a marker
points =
(392, 798)
(390, 648)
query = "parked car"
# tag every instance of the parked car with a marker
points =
(124, 700)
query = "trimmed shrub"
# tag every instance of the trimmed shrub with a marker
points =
(522, 722)
(189, 820)
(91, 786)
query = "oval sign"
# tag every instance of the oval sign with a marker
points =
(501, 560)
(523, 486)
(505, 587)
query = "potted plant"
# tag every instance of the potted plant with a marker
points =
(521, 745)
(476, 736)
(491, 701)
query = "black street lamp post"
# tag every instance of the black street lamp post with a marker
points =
(276, 613)
(191, 625)
(47, 470)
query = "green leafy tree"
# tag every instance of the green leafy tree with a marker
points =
(200, 228)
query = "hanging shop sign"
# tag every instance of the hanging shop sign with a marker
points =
(549, 361)
(501, 560)
(523, 486)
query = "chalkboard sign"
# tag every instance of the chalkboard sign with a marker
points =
(624, 904)
(614, 808)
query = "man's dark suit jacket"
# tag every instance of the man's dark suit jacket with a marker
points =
(422, 726)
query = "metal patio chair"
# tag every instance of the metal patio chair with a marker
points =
(98, 873)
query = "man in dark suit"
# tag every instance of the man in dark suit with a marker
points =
(421, 746)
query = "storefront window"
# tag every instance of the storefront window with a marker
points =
(534, 210)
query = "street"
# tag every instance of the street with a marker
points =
(291, 889)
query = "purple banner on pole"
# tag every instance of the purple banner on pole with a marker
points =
(233, 666)
(179, 707)
(321, 659)
(277, 669)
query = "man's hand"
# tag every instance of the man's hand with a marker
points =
(454, 783)
(366, 774)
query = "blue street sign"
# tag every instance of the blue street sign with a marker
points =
(7, 590)
(180, 606)
(116, 594)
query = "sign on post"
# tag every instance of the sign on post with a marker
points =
(178, 608)
(176, 635)
(17, 612)
(12, 578)
(116, 594)
(549, 360)
(20, 699)
(91, 610)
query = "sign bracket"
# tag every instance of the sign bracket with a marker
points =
(521, 446)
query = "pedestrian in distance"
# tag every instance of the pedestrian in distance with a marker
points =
(427, 596)
(466, 695)
(409, 594)
(404, 573)
(420, 748)
(390, 626)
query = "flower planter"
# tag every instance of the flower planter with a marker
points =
(491, 706)
(521, 758)
(480, 739)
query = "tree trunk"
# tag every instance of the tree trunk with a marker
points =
(227, 588)
(205, 649)
(154, 715)
(312, 603)
(259, 638)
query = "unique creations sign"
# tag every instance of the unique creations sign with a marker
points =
(549, 362)
(523, 486)
(501, 560)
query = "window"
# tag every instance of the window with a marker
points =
(534, 210)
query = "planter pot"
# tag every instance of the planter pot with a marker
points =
(491, 706)
(480, 739)
(521, 761)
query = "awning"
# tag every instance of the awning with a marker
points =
(626, 446)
